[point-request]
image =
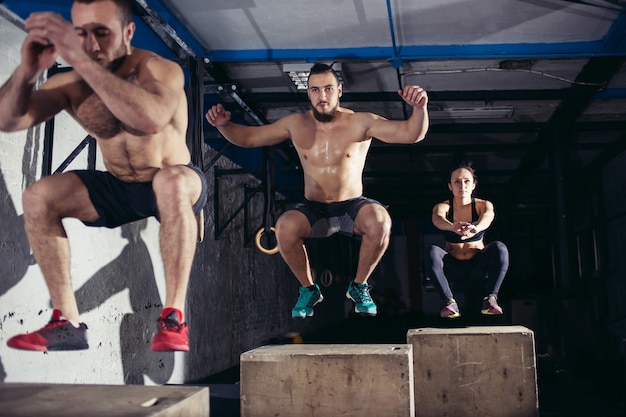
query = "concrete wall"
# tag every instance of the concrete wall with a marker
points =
(238, 298)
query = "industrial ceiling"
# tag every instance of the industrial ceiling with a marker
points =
(509, 81)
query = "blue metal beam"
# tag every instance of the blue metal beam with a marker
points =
(426, 52)
(613, 44)
(615, 39)
(611, 93)
(395, 60)
(181, 30)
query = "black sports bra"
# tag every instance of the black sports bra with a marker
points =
(452, 237)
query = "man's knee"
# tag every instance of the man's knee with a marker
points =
(373, 221)
(176, 185)
(168, 179)
(292, 226)
(34, 201)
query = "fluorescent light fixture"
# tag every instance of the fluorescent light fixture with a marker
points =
(299, 74)
(488, 112)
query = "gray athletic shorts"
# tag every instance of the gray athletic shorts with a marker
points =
(327, 219)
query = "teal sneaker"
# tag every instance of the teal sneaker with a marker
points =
(306, 300)
(360, 294)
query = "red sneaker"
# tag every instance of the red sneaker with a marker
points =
(172, 335)
(58, 334)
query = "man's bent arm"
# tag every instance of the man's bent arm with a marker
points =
(21, 107)
(254, 136)
(407, 131)
(147, 105)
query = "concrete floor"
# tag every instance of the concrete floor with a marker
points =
(560, 394)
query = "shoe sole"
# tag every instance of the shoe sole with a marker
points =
(452, 316)
(490, 313)
(26, 346)
(164, 347)
(62, 348)
(300, 316)
(363, 313)
(39, 348)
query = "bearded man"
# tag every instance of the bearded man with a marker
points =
(133, 103)
(332, 143)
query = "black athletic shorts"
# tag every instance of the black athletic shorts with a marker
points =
(118, 202)
(327, 219)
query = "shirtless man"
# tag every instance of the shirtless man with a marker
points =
(133, 102)
(464, 219)
(332, 144)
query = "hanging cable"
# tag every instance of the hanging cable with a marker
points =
(268, 209)
(468, 70)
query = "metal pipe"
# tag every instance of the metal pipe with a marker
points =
(396, 62)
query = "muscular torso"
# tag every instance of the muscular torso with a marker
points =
(128, 154)
(332, 156)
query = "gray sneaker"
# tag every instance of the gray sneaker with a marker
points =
(451, 310)
(490, 306)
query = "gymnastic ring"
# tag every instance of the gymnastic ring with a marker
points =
(260, 247)
(326, 278)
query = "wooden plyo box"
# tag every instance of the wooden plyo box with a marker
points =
(327, 380)
(68, 400)
(483, 371)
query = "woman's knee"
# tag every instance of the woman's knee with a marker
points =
(501, 248)
(499, 252)
(436, 254)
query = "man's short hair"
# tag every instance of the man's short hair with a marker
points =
(319, 68)
(124, 9)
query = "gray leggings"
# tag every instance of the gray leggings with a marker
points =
(490, 264)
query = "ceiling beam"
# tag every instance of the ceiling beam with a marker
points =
(400, 149)
(593, 77)
(392, 96)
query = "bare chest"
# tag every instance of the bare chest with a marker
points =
(330, 147)
(94, 116)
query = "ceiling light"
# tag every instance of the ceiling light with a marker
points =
(489, 112)
(299, 74)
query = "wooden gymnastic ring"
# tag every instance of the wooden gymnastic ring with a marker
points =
(260, 247)
(326, 278)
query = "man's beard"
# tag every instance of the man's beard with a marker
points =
(324, 117)
(120, 56)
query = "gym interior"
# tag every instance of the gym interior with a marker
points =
(532, 93)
